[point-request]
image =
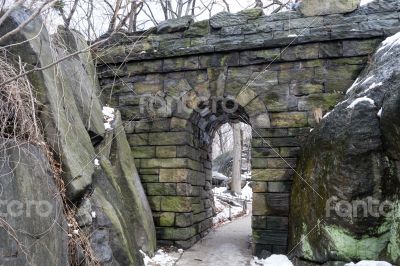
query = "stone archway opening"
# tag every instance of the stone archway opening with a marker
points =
(231, 149)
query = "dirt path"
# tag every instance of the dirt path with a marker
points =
(228, 245)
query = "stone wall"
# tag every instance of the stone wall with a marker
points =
(283, 71)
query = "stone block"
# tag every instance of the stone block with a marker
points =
(301, 52)
(272, 174)
(279, 187)
(184, 189)
(357, 48)
(270, 237)
(301, 89)
(259, 187)
(138, 139)
(181, 63)
(170, 138)
(164, 163)
(149, 178)
(167, 219)
(325, 101)
(198, 29)
(139, 152)
(259, 222)
(184, 219)
(170, 233)
(165, 151)
(219, 60)
(174, 175)
(259, 56)
(331, 49)
(289, 119)
(150, 66)
(296, 75)
(199, 217)
(277, 223)
(176, 204)
(161, 189)
(311, 8)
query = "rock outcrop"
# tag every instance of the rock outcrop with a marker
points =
(32, 221)
(112, 206)
(345, 200)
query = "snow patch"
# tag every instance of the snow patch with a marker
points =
(109, 116)
(355, 84)
(326, 115)
(366, 2)
(247, 192)
(367, 79)
(274, 260)
(93, 214)
(359, 100)
(380, 113)
(374, 85)
(369, 263)
(162, 258)
(390, 42)
(96, 162)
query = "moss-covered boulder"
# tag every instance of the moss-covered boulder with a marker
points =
(33, 229)
(120, 202)
(345, 200)
(59, 114)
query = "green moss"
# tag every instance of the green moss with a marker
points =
(350, 248)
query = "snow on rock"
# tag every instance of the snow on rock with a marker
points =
(219, 176)
(96, 162)
(380, 112)
(390, 42)
(274, 260)
(369, 263)
(366, 2)
(162, 258)
(359, 100)
(109, 115)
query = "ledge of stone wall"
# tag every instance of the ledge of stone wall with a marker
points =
(250, 29)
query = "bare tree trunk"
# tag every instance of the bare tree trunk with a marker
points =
(221, 141)
(236, 184)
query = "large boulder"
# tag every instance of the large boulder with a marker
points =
(32, 223)
(78, 75)
(59, 113)
(345, 200)
(124, 214)
(312, 8)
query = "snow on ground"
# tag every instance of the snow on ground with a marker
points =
(369, 263)
(225, 211)
(273, 260)
(359, 100)
(219, 176)
(162, 258)
(109, 115)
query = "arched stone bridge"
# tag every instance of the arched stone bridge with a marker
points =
(283, 71)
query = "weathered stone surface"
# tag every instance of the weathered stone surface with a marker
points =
(318, 8)
(64, 130)
(78, 75)
(118, 173)
(349, 158)
(31, 204)
(174, 25)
